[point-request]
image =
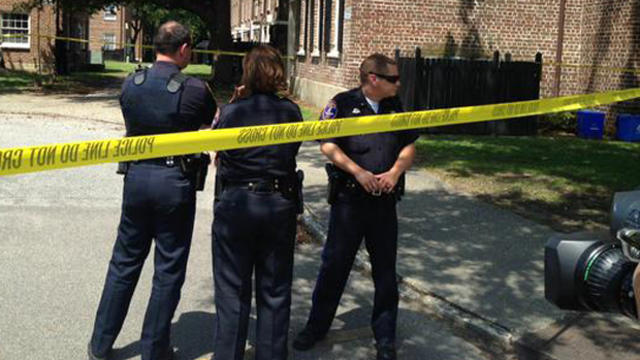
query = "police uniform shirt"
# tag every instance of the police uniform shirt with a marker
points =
(196, 106)
(261, 162)
(377, 152)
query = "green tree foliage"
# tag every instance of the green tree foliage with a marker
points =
(214, 16)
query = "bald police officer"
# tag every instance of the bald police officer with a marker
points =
(366, 180)
(158, 198)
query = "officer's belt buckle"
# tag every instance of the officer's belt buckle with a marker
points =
(376, 192)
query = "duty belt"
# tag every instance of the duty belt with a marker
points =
(262, 186)
(168, 161)
(352, 186)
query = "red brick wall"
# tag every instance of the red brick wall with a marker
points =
(602, 32)
(98, 26)
(40, 51)
(464, 28)
(611, 39)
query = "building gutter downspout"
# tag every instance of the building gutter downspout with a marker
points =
(559, 49)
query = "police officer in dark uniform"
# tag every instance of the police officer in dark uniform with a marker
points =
(366, 180)
(254, 227)
(158, 198)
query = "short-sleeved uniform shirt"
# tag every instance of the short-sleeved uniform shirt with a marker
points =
(196, 106)
(260, 162)
(374, 152)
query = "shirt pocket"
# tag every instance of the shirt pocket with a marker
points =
(359, 144)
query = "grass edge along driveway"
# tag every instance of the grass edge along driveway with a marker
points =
(564, 182)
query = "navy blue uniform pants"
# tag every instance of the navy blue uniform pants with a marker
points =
(158, 203)
(253, 231)
(353, 218)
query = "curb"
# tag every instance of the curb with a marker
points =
(483, 333)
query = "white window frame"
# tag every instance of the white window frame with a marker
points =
(13, 45)
(110, 45)
(108, 14)
(335, 53)
(317, 37)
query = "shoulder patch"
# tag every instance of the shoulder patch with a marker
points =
(330, 111)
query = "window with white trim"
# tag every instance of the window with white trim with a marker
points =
(109, 41)
(15, 31)
(304, 27)
(334, 27)
(111, 12)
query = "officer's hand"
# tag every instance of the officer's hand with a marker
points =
(387, 180)
(367, 180)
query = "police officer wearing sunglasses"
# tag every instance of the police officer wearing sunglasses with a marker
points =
(366, 179)
(159, 197)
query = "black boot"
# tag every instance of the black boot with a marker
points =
(93, 356)
(306, 339)
(386, 352)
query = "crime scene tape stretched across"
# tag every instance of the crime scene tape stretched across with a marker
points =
(84, 41)
(241, 54)
(58, 156)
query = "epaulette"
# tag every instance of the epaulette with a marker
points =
(176, 81)
(140, 75)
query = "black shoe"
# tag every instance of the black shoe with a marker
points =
(386, 352)
(305, 339)
(168, 355)
(93, 356)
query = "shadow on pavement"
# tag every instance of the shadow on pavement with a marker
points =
(191, 336)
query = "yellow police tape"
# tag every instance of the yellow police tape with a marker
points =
(84, 41)
(234, 53)
(57, 156)
(597, 67)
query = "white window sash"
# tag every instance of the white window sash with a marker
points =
(316, 28)
(8, 44)
(335, 53)
(303, 25)
(110, 16)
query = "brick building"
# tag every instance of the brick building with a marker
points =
(106, 29)
(333, 36)
(251, 20)
(110, 30)
(22, 52)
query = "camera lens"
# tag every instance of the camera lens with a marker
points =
(605, 278)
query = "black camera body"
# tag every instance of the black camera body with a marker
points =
(589, 271)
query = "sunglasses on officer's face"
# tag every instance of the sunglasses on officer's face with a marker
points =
(390, 78)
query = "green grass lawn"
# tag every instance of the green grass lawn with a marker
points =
(80, 82)
(564, 182)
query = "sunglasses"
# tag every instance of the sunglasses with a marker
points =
(390, 78)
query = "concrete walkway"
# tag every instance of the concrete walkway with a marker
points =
(481, 268)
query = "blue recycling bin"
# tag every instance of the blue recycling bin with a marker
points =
(590, 124)
(628, 127)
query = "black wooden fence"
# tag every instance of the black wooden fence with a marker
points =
(429, 83)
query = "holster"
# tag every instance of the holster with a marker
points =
(123, 167)
(197, 166)
(299, 197)
(218, 187)
(336, 180)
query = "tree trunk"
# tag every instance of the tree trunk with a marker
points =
(219, 24)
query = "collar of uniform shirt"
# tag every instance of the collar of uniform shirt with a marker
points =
(375, 106)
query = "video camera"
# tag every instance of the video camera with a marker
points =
(594, 271)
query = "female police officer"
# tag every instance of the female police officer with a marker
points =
(255, 216)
